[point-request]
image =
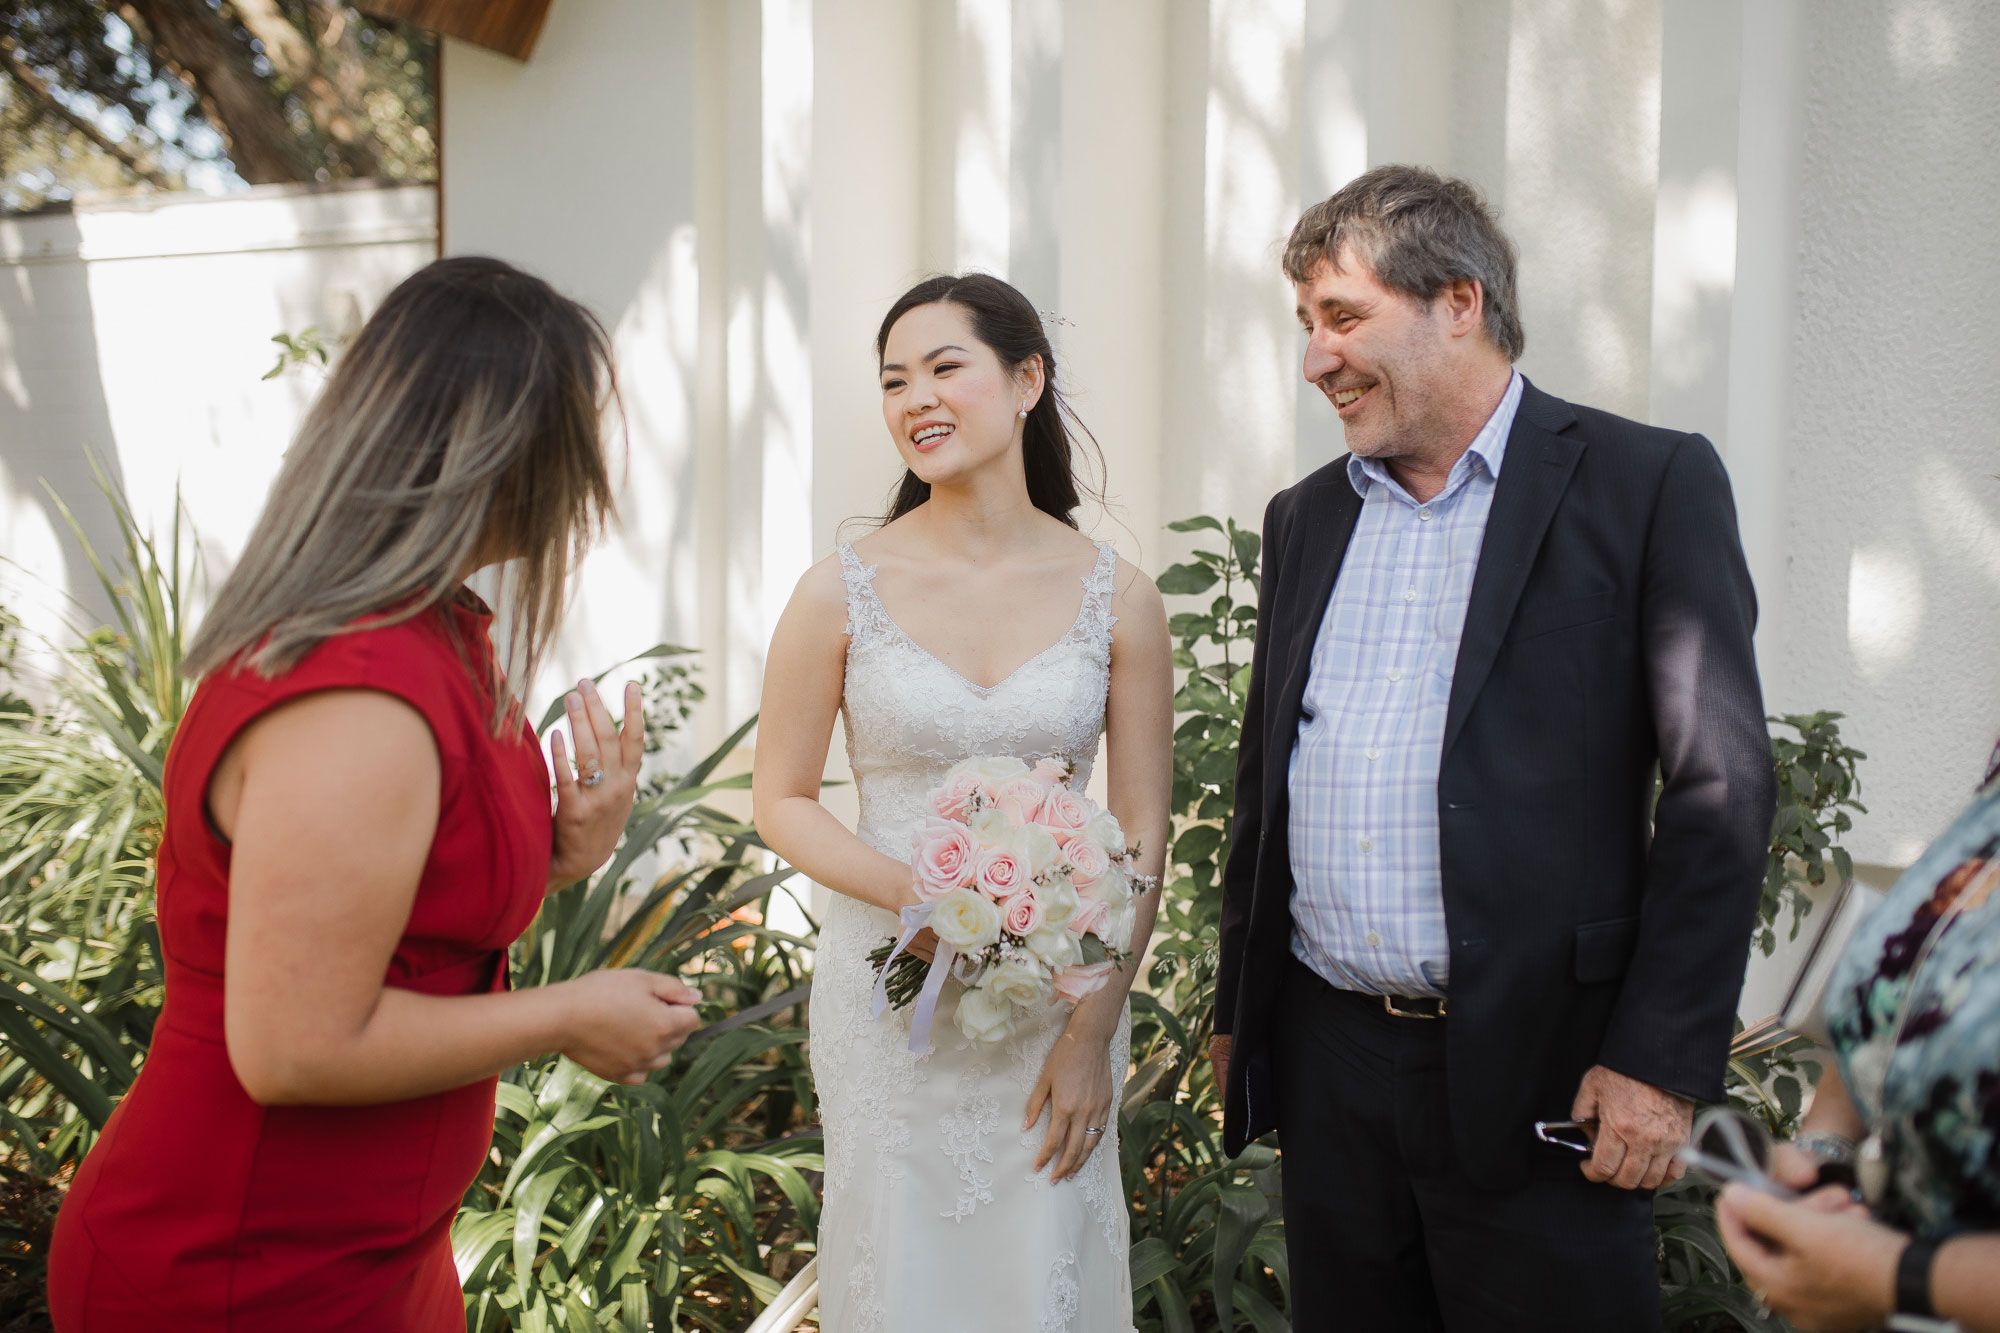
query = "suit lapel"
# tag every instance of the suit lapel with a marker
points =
(1533, 476)
(1325, 529)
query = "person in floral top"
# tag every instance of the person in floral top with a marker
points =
(1912, 1105)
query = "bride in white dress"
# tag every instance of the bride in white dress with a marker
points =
(972, 1188)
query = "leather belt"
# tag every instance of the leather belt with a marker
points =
(1414, 1006)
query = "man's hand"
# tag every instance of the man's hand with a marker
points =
(1218, 1055)
(1639, 1128)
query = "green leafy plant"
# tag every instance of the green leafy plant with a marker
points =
(1208, 1246)
(1817, 787)
(689, 1200)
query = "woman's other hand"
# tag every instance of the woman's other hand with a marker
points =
(626, 1022)
(1075, 1087)
(591, 814)
(1821, 1262)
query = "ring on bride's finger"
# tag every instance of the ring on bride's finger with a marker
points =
(591, 779)
(1093, 1129)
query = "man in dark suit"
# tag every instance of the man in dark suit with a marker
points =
(1452, 908)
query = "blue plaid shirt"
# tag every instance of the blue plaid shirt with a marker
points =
(1368, 897)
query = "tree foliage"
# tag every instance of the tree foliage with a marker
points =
(159, 93)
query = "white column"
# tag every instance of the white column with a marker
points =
(1763, 311)
(1694, 219)
(1036, 144)
(1113, 280)
(788, 539)
(981, 93)
(871, 98)
(1230, 439)
(1583, 135)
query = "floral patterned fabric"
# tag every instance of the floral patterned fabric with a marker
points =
(1934, 1090)
(935, 1220)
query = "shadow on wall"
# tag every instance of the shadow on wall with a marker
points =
(53, 419)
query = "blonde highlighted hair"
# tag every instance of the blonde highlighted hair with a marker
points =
(463, 426)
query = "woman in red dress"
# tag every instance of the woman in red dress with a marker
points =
(358, 825)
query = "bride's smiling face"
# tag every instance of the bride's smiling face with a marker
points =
(951, 406)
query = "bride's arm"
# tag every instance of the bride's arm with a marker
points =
(1077, 1084)
(1139, 759)
(802, 683)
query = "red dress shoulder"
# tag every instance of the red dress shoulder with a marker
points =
(199, 1209)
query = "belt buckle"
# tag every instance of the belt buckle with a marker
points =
(1389, 1003)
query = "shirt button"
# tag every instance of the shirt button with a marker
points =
(1424, 514)
(1374, 940)
(1395, 673)
(1368, 844)
(1374, 753)
(1409, 594)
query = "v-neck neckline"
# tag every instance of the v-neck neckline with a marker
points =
(1082, 609)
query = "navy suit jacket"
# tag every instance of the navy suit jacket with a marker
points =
(1608, 640)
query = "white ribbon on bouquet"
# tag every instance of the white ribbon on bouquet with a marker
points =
(945, 962)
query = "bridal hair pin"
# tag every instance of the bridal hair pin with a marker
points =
(1051, 317)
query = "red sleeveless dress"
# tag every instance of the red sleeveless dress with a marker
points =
(198, 1209)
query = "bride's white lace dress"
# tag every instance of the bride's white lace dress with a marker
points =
(935, 1220)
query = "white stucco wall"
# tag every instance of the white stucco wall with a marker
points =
(1767, 221)
(1891, 580)
(139, 332)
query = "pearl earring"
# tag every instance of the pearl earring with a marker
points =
(1024, 409)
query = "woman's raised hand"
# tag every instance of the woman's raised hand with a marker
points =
(626, 1022)
(594, 801)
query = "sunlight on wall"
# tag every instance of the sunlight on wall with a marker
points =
(1885, 608)
(1694, 263)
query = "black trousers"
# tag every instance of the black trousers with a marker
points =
(1384, 1231)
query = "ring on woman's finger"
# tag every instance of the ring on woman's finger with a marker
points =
(591, 779)
(1093, 1129)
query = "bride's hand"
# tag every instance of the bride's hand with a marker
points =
(1075, 1086)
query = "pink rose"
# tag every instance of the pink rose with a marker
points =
(1020, 799)
(1052, 771)
(1088, 862)
(1023, 913)
(1064, 814)
(1090, 918)
(954, 799)
(941, 857)
(1078, 980)
(1000, 871)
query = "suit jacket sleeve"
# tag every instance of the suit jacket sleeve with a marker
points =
(1239, 872)
(1712, 825)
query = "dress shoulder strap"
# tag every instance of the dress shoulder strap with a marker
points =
(867, 618)
(1095, 621)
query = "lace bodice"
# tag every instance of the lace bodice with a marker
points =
(933, 1213)
(910, 717)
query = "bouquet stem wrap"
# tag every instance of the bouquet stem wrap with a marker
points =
(943, 963)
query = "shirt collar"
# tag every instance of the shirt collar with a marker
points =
(1489, 446)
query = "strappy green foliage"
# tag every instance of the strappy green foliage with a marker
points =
(682, 1203)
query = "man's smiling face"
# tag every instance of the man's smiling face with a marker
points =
(1381, 358)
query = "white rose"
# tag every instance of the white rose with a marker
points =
(1040, 848)
(1118, 926)
(1018, 980)
(1113, 889)
(983, 1016)
(1058, 899)
(1103, 829)
(989, 828)
(965, 920)
(1055, 947)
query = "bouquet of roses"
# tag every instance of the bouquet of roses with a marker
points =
(1026, 885)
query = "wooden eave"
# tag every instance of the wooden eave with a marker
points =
(507, 26)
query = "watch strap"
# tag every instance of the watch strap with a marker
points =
(1913, 1278)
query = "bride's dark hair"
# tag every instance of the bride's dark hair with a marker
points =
(1006, 321)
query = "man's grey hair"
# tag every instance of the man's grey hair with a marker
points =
(1419, 232)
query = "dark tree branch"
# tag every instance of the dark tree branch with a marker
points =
(38, 92)
(189, 38)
